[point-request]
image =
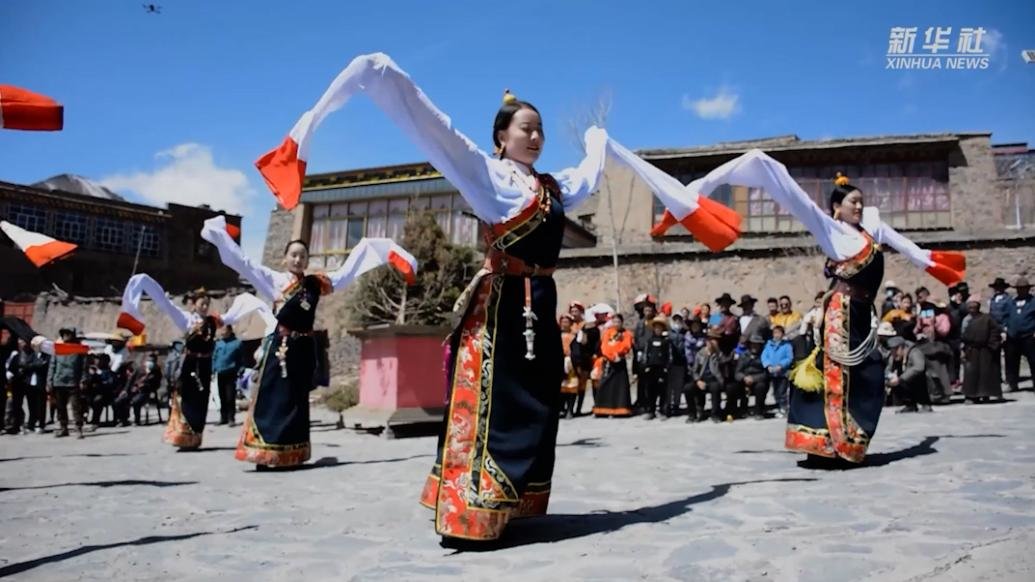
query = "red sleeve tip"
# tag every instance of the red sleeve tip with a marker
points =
(130, 323)
(283, 172)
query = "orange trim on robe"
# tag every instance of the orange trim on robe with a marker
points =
(615, 348)
(570, 383)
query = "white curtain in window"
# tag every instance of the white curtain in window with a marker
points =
(318, 237)
(336, 236)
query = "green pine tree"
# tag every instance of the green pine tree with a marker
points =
(443, 271)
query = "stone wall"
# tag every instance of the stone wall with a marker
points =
(977, 198)
(278, 233)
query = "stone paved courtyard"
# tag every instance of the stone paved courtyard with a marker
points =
(946, 496)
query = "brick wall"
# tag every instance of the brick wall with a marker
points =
(977, 198)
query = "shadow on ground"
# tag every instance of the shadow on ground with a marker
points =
(89, 455)
(19, 567)
(328, 462)
(924, 447)
(559, 527)
(122, 483)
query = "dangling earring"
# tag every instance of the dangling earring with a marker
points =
(498, 151)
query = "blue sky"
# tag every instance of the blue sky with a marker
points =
(178, 105)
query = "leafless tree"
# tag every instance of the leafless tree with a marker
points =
(596, 114)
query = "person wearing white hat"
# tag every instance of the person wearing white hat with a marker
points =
(891, 296)
(885, 332)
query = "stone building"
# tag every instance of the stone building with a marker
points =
(952, 191)
(116, 238)
(113, 235)
(338, 209)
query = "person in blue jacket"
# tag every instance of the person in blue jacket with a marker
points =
(1020, 332)
(227, 361)
(1001, 303)
(777, 357)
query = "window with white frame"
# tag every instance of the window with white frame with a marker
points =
(28, 217)
(144, 237)
(339, 226)
(910, 196)
(71, 226)
(109, 235)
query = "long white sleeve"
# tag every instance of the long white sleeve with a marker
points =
(755, 169)
(580, 182)
(837, 240)
(267, 282)
(486, 183)
(142, 284)
(245, 304)
(494, 188)
(371, 253)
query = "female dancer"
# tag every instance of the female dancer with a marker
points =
(189, 405)
(276, 431)
(834, 412)
(497, 448)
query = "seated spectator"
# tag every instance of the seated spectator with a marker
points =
(100, 388)
(709, 378)
(143, 387)
(751, 376)
(123, 390)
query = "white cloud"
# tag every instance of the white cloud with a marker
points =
(723, 105)
(187, 174)
(993, 43)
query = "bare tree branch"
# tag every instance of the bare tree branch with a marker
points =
(597, 115)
